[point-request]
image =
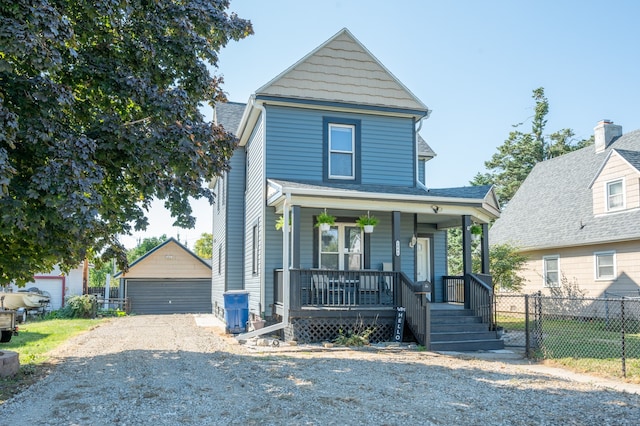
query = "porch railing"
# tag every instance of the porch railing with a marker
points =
(453, 289)
(335, 288)
(481, 298)
(480, 294)
(417, 310)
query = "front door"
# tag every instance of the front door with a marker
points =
(341, 247)
(423, 259)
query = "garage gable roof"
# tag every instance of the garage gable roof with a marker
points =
(170, 259)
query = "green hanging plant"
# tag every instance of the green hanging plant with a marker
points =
(325, 218)
(366, 220)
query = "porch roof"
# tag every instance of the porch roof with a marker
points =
(441, 206)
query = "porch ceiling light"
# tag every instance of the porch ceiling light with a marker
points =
(435, 208)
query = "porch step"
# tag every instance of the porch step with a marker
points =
(450, 319)
(449, 327)
(468, 345)
(461, 330)
(463, 336)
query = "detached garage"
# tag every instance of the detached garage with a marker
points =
(170, 279)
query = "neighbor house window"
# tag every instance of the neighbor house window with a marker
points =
(219, 259)
(605, 265)
(615, 195)
(254, 250)
(341, 145)
(551, 271)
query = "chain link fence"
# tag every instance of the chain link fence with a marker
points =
(591, 334)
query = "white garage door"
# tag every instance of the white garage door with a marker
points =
(52, 285)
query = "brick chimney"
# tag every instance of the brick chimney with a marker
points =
(605, 133)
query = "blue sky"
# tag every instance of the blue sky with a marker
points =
(474, 63)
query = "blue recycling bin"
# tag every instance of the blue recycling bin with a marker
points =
(236, 310)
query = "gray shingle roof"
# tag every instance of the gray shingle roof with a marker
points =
(554, 205)
(633, 157)
(424, 150)
(468, 192)
(228, 114)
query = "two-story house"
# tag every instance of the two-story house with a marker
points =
(337, 133)
(577, 218)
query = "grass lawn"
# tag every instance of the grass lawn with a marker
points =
(588, 346)
(36, 338)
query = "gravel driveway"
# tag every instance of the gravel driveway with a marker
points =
(165, 370)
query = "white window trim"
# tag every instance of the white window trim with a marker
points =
(545, 284)
(352, 152)
(606, 195)
(595, 265)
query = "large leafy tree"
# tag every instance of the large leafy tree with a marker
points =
(145, 246)
(99, 115)
(204, 246)
(517, 156)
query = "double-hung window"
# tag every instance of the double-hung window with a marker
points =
(615, 195)
(551, 271)
(341, 149)
(605, 265)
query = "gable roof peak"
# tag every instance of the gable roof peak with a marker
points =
(343, 70)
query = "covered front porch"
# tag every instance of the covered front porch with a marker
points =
(401, 265)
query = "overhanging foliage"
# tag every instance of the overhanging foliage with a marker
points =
(99, 115)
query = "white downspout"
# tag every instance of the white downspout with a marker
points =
(417, 163)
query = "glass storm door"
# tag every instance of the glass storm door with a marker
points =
(423, 259)
(341, 247)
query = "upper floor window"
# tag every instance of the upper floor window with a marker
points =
(341, 151)
(341, 148)
(551, 271)
(605, 265)
(615, 195)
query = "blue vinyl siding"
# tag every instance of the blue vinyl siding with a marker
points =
(228, 220)
(218, 272)
(422, 166)
(235, 220)
(295, 146)
(440, 263)
(254, 202)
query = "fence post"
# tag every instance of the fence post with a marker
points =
(624, 361)
(527, 341)
(538, 321)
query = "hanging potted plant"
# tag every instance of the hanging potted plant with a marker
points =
(367, 223)
(280, 223)
(324, 221)
(476, 232)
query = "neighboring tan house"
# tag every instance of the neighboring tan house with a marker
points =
(336, 133)
(577, 218)
(168, 279)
